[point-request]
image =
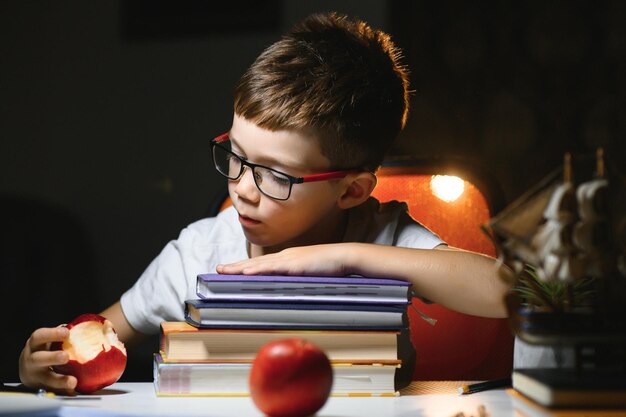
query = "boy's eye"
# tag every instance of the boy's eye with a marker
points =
(274, 178)
(279, 179)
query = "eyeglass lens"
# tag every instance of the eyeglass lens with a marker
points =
(271, 183)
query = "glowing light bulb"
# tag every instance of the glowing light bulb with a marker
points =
(447, 187)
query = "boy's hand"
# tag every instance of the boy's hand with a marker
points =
(36, 361)
(324, 260)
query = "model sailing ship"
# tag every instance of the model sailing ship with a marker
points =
(565, 242)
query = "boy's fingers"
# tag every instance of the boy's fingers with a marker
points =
(41, 337)
(45, 358)
(42, 375)
(64, 384)
(241, 265)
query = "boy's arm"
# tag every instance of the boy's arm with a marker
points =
(460, 280)
(125, 332)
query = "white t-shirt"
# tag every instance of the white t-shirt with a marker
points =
(170, 279)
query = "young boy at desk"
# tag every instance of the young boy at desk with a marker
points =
(313, 118)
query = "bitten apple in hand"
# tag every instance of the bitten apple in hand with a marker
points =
(97, 358)
(290, 378)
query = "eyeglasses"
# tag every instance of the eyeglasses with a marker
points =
(270, 182)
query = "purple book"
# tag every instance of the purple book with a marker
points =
(302, 288)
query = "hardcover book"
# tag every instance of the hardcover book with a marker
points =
(302, 289)
(182, 341)
(292, 315)
(231, 378)
(525, 407)
(566, 388)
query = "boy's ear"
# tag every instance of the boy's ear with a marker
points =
(357, 189)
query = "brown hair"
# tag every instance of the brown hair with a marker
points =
(336, 76)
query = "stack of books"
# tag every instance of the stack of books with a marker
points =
(355, 321)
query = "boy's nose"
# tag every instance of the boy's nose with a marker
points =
(246, 187)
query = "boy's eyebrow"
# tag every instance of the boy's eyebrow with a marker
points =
(234, 142)
(268, 160)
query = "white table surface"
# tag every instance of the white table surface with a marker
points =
(139, 399)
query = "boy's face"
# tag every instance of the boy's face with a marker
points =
(302, 219)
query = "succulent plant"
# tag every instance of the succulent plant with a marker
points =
(554, 296)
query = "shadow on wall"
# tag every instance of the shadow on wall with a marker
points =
(46, 273)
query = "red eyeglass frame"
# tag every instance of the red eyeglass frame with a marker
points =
(224, 137)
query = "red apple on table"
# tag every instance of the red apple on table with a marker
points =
(97, 358)
(290, 378)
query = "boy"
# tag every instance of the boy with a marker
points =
(313, 118)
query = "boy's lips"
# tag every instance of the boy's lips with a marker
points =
(247, 221)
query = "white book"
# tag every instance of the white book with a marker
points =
(231, 378)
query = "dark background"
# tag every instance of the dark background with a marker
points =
(107, 108)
